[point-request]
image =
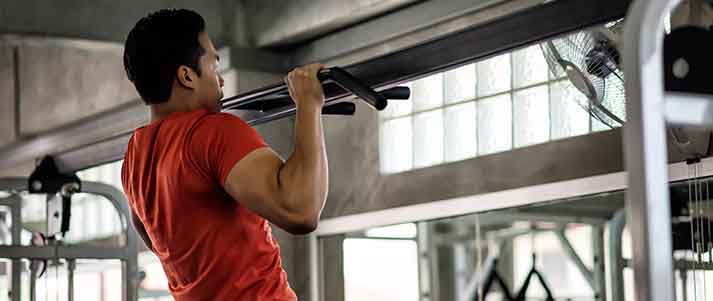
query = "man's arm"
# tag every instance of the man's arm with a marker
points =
(289, 194)
(141, 231)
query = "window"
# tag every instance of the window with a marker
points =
(495, 105)
(365, 258)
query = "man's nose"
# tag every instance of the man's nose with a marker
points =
(221, 81)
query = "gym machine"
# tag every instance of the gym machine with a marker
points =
(49, 248)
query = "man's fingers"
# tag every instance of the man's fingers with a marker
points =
(313, 69)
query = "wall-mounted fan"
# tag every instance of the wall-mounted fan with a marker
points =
(591, 61)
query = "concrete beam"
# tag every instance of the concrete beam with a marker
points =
(407, 27)
(103, 20)
(282, 23)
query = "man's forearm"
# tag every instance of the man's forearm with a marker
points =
(304, 177)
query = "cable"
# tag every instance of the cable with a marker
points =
(701, 233)
(691, 213)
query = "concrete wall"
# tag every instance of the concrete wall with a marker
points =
(60, 85)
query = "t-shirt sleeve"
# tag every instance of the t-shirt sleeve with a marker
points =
(219, 141)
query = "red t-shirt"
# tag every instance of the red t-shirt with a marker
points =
(210, 246)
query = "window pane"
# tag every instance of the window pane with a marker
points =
(428, 138)
(460, 84)
(568, 117)
(395, 231)
(398, 107)
(531, 116)
(427, 93)
(529, 67)
(494, 75)
(365, 277)
(494, 124)
(460, 132)
(396, 141)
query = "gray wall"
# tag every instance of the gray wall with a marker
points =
(7, 95)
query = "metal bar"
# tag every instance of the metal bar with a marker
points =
(683, 265)
(71, 266)
(646, 150)
(33, 283)
(552, 217)
(314, 268)
(424, 270)
(572, 254)
(68, 252)
(344, 85)
(348, 85)
(16, 233)
(689, 109)
(684, 284)
(616, 261)
(598, 269)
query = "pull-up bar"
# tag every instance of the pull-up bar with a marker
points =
(274, 101)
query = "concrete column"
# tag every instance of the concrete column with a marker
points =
(332, 267)
(7, 95)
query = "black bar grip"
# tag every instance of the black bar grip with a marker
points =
(353, 85)
(396, 93)
(340, 108)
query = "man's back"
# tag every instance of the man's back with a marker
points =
(211, 247)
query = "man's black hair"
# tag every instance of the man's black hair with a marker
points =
(157, 46)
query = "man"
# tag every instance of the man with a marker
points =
(201, 183)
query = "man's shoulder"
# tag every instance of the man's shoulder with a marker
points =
(212, 121)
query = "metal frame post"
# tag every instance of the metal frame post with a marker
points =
(16, 233)
(616, 260)
(598, 270)
(646, 152)
(71, 267)
(423, 238)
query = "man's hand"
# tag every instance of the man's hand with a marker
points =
(305, 88)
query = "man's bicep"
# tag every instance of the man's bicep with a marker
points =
(253, 182)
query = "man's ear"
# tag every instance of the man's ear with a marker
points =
(186, 77)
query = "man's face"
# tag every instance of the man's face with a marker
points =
(209, 89)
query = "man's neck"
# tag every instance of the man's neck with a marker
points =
(163, 110)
